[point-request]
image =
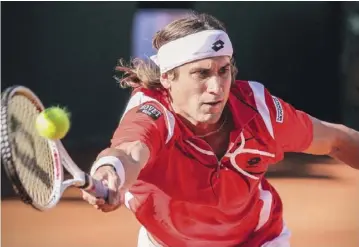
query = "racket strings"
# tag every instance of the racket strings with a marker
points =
(32, 156)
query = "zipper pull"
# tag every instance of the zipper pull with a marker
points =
(218, 169)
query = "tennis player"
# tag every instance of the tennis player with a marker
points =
(192, 148)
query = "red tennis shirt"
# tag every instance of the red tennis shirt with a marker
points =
(185, 196)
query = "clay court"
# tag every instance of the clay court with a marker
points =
(322, 211)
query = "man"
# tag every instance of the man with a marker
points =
(190, 152)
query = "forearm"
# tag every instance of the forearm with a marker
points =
(132, 156)
(346, 147)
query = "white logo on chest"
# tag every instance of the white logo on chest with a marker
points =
(241, 150)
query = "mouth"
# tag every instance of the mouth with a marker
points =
(213, 103)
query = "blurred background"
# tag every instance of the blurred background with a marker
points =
(304, 52)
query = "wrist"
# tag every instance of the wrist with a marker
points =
(113, 162)
(106, 167)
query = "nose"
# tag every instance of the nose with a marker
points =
(214, 85)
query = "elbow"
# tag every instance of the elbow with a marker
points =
(338, 138)
(341, 140)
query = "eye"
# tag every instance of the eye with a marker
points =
(224, 70)
(202, 73)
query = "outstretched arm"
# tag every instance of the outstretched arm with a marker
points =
(132, 156)
(297, 131)
(335, 140)
(139, 137)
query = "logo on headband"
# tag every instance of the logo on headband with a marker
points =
(216, 46)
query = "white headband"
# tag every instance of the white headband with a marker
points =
(204, 44)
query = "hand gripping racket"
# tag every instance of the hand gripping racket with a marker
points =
(33, 164)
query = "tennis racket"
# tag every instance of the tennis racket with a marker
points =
(34, 164)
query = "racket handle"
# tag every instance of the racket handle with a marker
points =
(95, 188)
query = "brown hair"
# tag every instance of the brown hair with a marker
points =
(146, 73)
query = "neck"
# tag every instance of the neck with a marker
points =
(201, 129)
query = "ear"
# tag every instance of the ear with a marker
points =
(165, 81)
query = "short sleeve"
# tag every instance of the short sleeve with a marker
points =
(146, 123)
(292, 128)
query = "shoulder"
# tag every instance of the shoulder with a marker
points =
(247, 87)
(147, 101)
(251, 93)
(254, 95)
(255, 92)
(149, 106)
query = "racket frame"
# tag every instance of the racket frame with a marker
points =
(60, 157)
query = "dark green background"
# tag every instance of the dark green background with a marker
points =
(66, 51)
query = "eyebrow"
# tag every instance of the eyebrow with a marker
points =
(227, 65)
(197, 67)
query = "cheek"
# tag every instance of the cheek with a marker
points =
(228, 84)
(187, 91)
(191, 98)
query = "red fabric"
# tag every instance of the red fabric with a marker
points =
(295, 133)
(182, 198)
(139, 126)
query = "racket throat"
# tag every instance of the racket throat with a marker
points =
(85, 183)
(77, 182)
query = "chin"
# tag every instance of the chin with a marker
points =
(210, 118)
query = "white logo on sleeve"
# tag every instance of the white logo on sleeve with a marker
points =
(151, 111)
(279, 110)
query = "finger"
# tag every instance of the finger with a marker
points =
(113, 189)
(92, 200)
(100, 174)
(105, 182)
(87, 197)
(104, 207)
(121, 196)
(108, 208)
(100, 201)
(98, 207)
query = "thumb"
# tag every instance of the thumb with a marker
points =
(112, 182)
(100, 175)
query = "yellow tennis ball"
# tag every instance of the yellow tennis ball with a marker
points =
(53, 123)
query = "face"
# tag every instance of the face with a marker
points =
(201, 89)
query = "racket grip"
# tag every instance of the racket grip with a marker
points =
(96, 188)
